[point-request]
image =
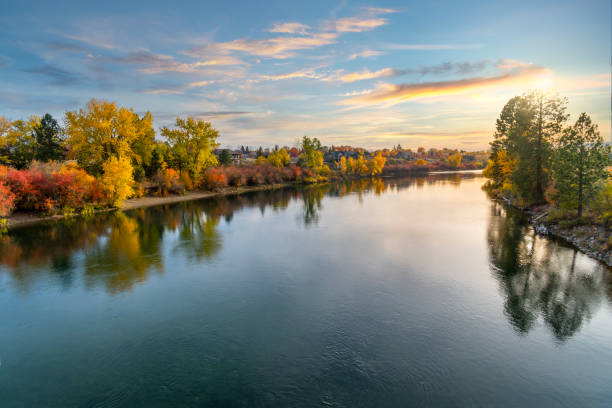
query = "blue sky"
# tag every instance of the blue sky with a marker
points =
(371, 74)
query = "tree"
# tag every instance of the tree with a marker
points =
(526, 129)
(192, 142)
(117, 179)
(580, 162)
(19, 142)
(377, 164)
(279, 158)
(49, 143)
(311, 154)
(102, 130)
(225, 158)
(454, 160)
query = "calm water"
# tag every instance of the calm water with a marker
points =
(411, 292)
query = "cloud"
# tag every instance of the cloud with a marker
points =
(290, 28)
(275, 47)
(179, 89)
(366, 74)
(396, 93)
(368, 20)
(152, 63)
(444, 68)
(305, 73)
(365, 54)
(432, 47)
(463, 68)
(67, 47)
(58, 76)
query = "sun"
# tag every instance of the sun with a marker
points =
(544, 82)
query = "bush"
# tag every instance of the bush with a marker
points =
(7, 200)
(214, 179)
(167, 181)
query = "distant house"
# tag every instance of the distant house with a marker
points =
(236, 156)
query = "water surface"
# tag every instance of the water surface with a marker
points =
(407, 292)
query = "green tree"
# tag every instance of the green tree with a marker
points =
(225, 158)
(49, 143)
(19, 143)
(526, 129)
(580, 162)
(191, 143)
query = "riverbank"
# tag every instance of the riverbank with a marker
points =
(23, 219)
(591, 239)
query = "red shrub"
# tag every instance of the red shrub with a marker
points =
(214, 178)
(7, 200)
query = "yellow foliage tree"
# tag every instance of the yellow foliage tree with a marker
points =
(117, 180)
(279, 158)
(454, 160)
(377, 164)
(103, 130)
(342, 164)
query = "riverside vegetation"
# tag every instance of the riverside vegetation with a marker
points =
(555, 170)
(105, 154)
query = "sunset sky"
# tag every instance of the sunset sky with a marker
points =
(369, 74)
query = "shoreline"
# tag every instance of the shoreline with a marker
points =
(26, 219)
(585, 238)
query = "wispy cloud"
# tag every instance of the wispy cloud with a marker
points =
(276, 47)
(59, 76)
(432, 47)
(178, 89)
(152, 63)
(367, 20)
(305, 73)
(365, 54)
(290, 28)
(396, 93)
(366, 74)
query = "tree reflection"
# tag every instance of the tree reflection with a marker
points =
(541, 279)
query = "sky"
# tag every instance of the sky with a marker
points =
(361, 73)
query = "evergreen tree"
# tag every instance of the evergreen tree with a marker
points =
(580, 162)
(225, 158)
(49, 141)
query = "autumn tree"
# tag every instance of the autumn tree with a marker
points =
(311, 154)
(102, 131)
(117, 179)
(580, 162)
(454, 160)
(49, 143)
(279, 158)
(377, 164)
(191, 143)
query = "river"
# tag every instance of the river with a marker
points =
(370, 293)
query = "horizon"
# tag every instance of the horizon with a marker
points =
(365, 74)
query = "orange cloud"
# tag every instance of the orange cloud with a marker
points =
(305, 73)
(291, 28)
(367, 74)
(368, 20)
(276, 47)
(394, 93)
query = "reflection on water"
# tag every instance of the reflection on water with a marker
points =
(539, 277)
(359, 293)
(122, 249)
